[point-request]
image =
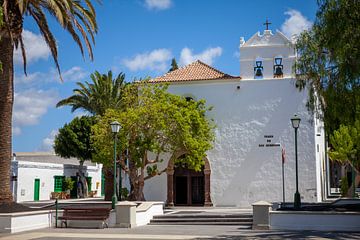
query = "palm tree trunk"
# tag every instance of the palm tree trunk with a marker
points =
(6, 105)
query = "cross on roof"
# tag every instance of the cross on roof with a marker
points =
(267, 23)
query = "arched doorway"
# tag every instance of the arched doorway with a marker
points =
(187, 187)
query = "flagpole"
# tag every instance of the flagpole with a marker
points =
(283, 175)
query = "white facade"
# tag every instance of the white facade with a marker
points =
(27, 167)
(253, 125)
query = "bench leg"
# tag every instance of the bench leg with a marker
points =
(105, 223)
(64, 222)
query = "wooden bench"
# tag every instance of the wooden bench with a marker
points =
(81, 213)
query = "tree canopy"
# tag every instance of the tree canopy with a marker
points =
(154, 122)
(73, 139)
(346, 144)
(329, 62)
(95, 97)
(174, 65)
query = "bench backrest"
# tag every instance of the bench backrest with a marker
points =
(86, 212)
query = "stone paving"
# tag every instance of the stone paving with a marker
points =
(174, 232)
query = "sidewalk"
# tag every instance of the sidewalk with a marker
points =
(174, 232)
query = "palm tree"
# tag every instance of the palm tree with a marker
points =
(103, 93)
(76, 16)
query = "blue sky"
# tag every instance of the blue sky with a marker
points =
(139, 38)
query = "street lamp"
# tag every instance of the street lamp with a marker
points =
(295, 121)
(115, 127)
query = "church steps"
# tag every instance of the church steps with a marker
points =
(239, 224)
(242, 220)
(204, 220)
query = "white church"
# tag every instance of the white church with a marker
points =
(252, 113)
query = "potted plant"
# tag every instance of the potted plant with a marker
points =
(68, 186)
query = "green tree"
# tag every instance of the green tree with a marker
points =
(155, 122)
(329, 63)
(73, 140)
(174, 65)
(345, 148)
(77, 17)
(103, 92)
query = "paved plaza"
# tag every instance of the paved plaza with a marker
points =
(174, 232)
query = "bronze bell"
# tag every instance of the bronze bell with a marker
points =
(278, 71)
(258, 72)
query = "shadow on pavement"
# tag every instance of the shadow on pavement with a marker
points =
(286, 235)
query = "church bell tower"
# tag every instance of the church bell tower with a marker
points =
(266, 56)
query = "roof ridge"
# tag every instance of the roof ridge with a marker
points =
(196, 70)
(216, 70)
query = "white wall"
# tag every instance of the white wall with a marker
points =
(243, 172)
(27, 172)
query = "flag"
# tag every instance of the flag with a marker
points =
(283, 155)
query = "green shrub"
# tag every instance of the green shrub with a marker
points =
(68, 184)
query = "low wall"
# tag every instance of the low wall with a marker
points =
(24, 221)
(322, 221)
(147, 210)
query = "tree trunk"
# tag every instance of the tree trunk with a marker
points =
(136, 184)
(137, 193)
(6, 105)
(351, 188)
(109, 182)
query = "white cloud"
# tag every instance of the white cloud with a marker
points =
(207, 56)
(47, 144)
(74, 74)
(35, 48)
(158, 4)
(295, 23)
(30, 105)
(157, 60)
(39, 78)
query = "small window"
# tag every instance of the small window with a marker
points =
(258, 68)
(278, 67)
(58, 183)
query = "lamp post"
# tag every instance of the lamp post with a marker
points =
(115, 127)
(295, 121)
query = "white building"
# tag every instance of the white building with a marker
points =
(252, 113)
(36, 175)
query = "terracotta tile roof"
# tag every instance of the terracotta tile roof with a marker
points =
(195, 71)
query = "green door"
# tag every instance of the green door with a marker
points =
(88, 181)
(102, 184)
(37, 189)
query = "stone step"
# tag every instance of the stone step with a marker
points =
(242, 220)
(238, 216)
(240, 225)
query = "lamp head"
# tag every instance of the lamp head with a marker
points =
(295, 121)
(115, 127)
